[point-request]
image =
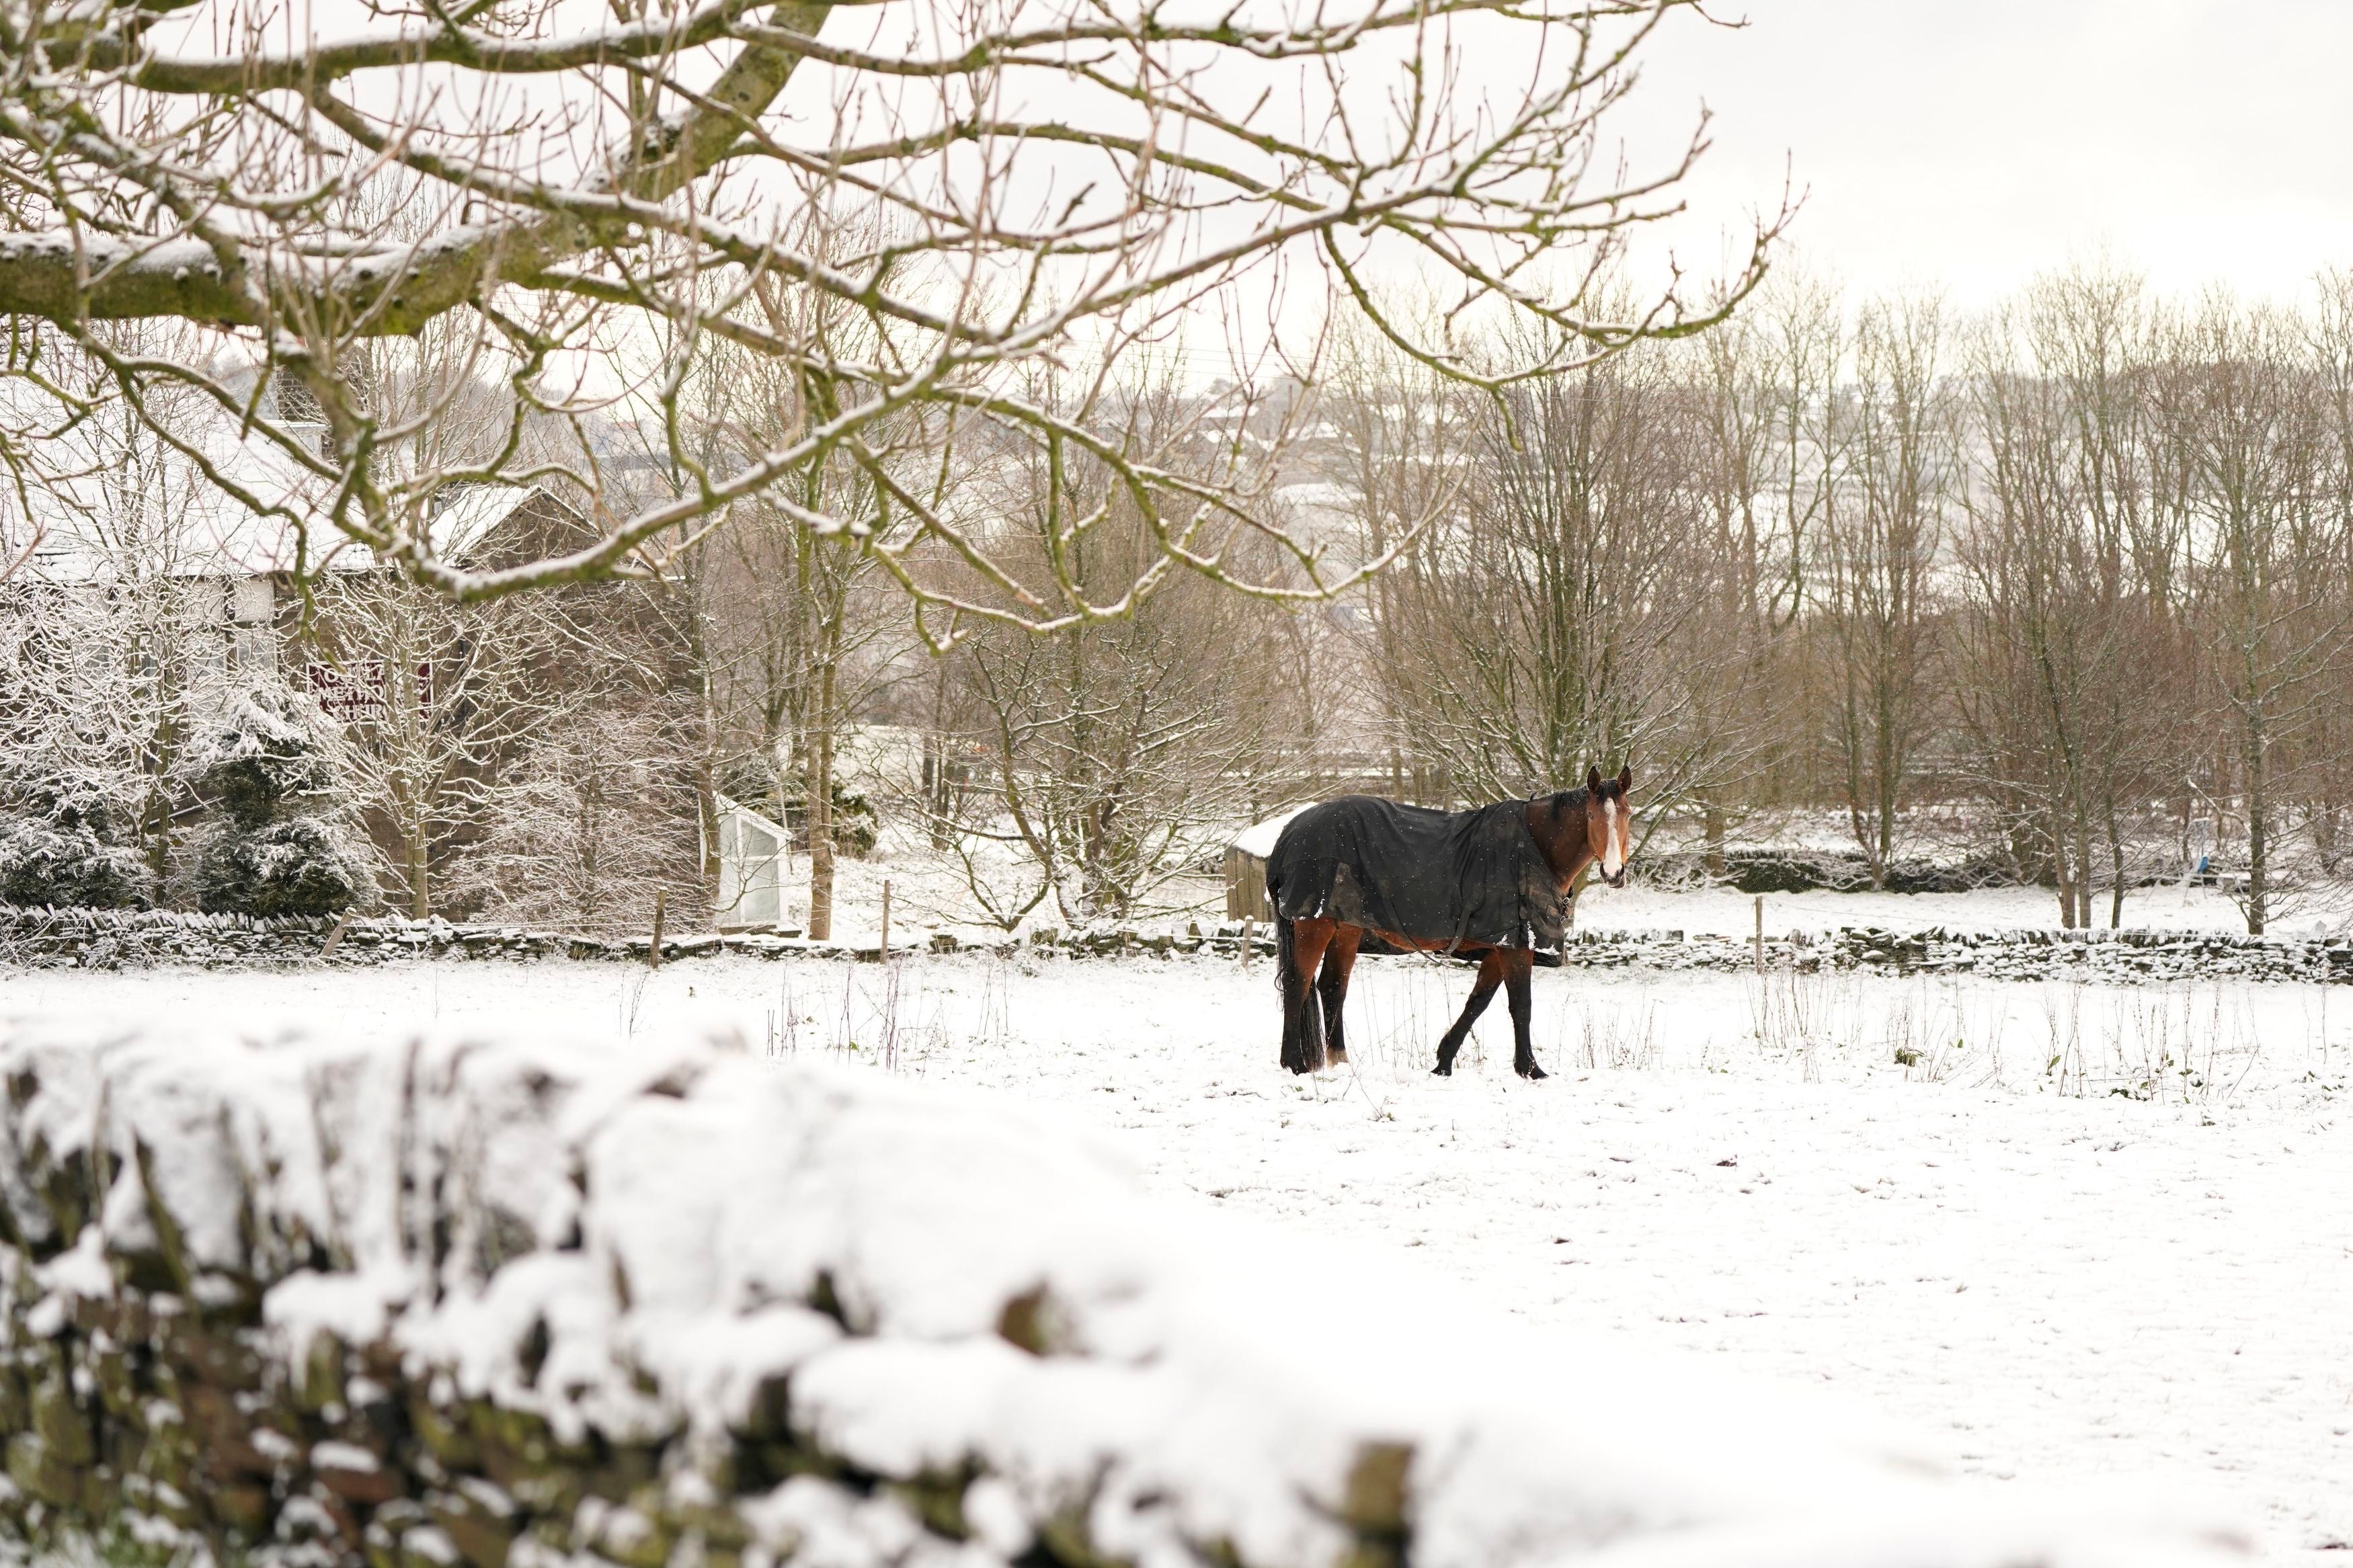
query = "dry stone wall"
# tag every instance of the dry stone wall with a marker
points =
(2117, 957)
(117, 938)
(110, 938)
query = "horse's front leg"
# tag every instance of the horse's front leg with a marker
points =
(1519, 968)
(1491, 974)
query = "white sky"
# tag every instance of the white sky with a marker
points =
(1973, 145)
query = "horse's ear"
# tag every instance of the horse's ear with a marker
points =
(1593, 780)
(1626, 776)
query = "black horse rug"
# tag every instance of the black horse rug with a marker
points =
(1452, 877)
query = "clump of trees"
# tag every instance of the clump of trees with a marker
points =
(584, 826)
(2067, 585)
(827, 321)
(2064, 581)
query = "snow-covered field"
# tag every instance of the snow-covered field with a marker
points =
(2085, 1231)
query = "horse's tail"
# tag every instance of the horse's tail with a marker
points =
(1286, 950)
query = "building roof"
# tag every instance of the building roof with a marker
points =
(186, 525)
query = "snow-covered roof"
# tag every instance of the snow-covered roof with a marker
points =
(732, 807)
(188, 525)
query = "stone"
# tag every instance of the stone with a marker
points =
(40, 1474)
(354, 1475)
(242, 1507)
(320, 1383)
(444, 1437)
(477, 1525)
(62, 1426)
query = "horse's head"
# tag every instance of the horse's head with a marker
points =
(1609, 821)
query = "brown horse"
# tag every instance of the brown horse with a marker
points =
(1573, 831)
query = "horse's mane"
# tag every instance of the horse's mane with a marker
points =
(1570, 799)
(1578, 798)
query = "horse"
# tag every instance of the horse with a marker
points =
(1515, 866)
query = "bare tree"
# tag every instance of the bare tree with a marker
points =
(792, 608)
(790, 617)
(582, 207)
(436, 698)
(2060, 633)
(78, 757)
(1401, 437)
(1536, 626)
(1879, 538)
(123, 620)
(1765, 463)
(1114, 742)
(583, 827)
(2326, 771)
(2241, 419)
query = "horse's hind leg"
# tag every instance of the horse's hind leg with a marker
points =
(1491, 975)
(1299, 946)
(1519, 965)
(1339, 961)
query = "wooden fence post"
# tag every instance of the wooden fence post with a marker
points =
(886, 920)
(1758, 942)
(653, 953)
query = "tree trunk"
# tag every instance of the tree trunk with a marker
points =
(154, 826)
(1884, 765)
(420, 902)
(2075, 893)
(2115, 867)
(2258, 824)
(706, 804)
(817, 787)
(2082, 867)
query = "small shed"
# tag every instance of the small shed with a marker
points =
(750, 868)
(1246, 868)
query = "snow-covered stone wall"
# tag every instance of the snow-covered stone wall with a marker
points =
(2116, 957)
(112, 939)
(318, 1299)
(120, 939)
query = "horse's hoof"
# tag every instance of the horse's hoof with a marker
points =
(1443, 1069)
(1532, 1072)
(1335, 1056)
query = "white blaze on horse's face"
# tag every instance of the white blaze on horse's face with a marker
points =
(1613, 842)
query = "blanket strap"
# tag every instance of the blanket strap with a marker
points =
(1461, 931)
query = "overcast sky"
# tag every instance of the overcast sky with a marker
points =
(1973, 145)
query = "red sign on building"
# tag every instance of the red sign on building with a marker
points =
(357, 692)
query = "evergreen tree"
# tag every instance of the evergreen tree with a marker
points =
(64, 845)
(280, 848)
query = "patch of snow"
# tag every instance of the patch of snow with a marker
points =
(81, 1270)
(348, 1457)
(353, 1308)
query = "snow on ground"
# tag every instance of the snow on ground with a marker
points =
(2134, 1260)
